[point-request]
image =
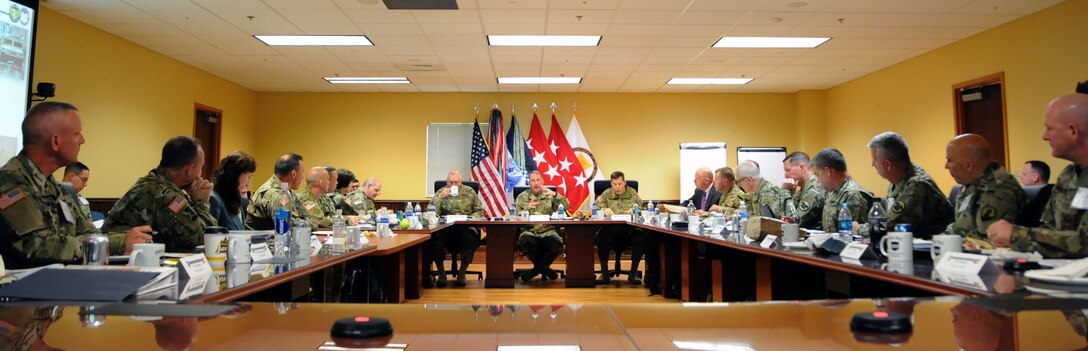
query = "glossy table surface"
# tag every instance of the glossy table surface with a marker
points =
(938, 324)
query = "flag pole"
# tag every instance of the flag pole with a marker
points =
(477, 110)
(535, 107)
(553, 106)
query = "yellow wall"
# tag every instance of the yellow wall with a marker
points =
(132, 99)
(636, 133)
(1042, 55)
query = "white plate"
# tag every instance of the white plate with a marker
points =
(1040, 275)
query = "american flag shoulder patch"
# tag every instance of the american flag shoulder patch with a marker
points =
(178, 203)
(310, 205)
(11, 197)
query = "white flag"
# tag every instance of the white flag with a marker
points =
(592, 170)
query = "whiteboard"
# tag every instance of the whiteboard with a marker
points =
(697, 155)
(448, 146)
(769, 160)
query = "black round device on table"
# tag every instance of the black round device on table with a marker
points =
(881, 327)
(361, 332)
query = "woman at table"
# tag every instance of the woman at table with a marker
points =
(231, 188)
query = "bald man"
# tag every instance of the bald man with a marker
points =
(1064, 228)
(313, 198)
(990, 193)
(705, 195)
(40, 223)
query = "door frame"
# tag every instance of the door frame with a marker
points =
(957, 103)
(197, 107)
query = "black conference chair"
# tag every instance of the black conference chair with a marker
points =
(956, 190)
(599, 186)
(439, 184)
(1038, 196)
(517, 272)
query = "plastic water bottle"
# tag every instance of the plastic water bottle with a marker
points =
(743, 211)
(432, 216)
(383, 225)
(282, 218)
(339, 233)
(634, 209)
(596, 214)
(562, 211)
(513, 212)
(417, 210)
(846, 224)
(878, 222)
(409, 210)
(691, 208)
(650, 208)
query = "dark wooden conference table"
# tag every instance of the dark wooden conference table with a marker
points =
(696, 268)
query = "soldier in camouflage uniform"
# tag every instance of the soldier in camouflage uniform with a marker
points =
(314, 202)
(990, 193)
(1065, 227)
(39, 223)
(262, 208)
(456, 240)
(725, 182)
(619, 199)
(344, 184)
(541, 243)
(808, 195)
(917, 199)
(77, 175)
(829, 165)
(173, 198)
(759, 192)
(362, 200)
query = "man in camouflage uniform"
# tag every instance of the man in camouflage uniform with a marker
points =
(725, 183)
(1065, 227)
(808, 195)
(39, 223)
(759, 192)
(261, 210)
(829, 165)
(172, 198)
(914, 197)
(456, 240)
(76, 175)
(619, 199)
(990, 193)
(362, 200)
(314, 202)
(541, 243)
(343, 185)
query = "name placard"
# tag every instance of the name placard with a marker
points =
(964, 263)
(195, 267)
(260, 252)
(856, 251)
(316, 245)
(456, 218)
(770, 241)
(539, 218)
(623, 217)
(718, 229)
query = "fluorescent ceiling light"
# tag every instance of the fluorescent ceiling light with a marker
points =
(367, 80)
(540, 80)
(544, 40)
(769, 42)
(709, 346)
(315, 40)
(710, 81)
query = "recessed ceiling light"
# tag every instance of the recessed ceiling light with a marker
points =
(315, 40)
(540, 80)
(769, 42)
(710, 81)
(368, 80)
(544, 40)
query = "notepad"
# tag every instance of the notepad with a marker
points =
(77, 285)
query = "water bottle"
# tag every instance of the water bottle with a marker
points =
(743, 211)
(432, 216)
(742, 219)
(650, 207)
(416, 209)
(691, 208)
(634, 210)
(409, 211)
(282, 218)
(593, 204)
(513, 212)
(339, 233)
(878, 222)
(383, 225)
(846, 224)
(562, 211)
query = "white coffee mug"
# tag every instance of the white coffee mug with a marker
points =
(147, 255)
(945, 243)
(238, 248)
(215, 248)
(454, 190)
(791, 232)
(898, 246)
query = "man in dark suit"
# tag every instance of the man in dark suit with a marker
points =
(705, 195)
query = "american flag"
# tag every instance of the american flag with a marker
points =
(485, 173)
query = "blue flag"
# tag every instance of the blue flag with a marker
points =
(521, 160)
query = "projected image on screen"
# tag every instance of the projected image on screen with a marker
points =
(16, 37)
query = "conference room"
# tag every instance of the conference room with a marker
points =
(553, 174)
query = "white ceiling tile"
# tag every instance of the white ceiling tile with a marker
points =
(570, 51)
(643, 17)
(514, 29)
(654, 4)
(390, 28)
(580, 16)
(624, 41)
(516, 51)
(637, 30)
(502, 59)
(928, 6)
(384, 40)
(759, 31)
(446, 17)
(380, 16)
(794, 5)
(614, 60)
(452, 29)
(474, 42)
(584, 5)
(511, 4)
(692, 17)
(577, 29)
(776, 18)
(407, 50)
(509, 17)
